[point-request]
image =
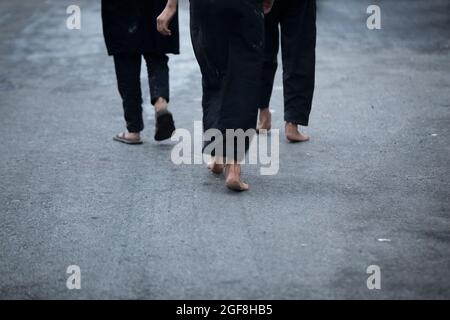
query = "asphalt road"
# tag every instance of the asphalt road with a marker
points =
(371, 188)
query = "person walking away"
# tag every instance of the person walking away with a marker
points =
(296, 21)
(130, 33)
(228, 40)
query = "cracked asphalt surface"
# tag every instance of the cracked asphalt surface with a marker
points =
(139, 226)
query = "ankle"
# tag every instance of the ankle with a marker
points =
(264, 112)
(291, 125)
(161, 104)
(233, 169)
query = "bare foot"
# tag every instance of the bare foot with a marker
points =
(233, 180)
(265, 120)
(215, 165)
(293, 134)
(161, 104)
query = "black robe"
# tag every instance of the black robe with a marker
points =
(129, 27)
(228, 41)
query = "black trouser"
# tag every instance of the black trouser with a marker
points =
(297, 19)
(228, 37)
(128, 72)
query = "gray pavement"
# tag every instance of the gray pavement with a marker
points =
(141, 227)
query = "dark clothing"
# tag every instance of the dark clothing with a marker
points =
(130, 32)
(128, 70)
(297, 19)
(129, 27)
(228, 40)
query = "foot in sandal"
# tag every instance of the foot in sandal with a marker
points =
(233, 180)
(128, 137)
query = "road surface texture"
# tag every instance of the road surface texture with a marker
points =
(371, 188)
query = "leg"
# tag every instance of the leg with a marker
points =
(242, 82)
(128, 68)
(270, 65)
(298, 41)
(158, 78)
(212, 55)
(227, 36)
(210, 43)
(242, 86)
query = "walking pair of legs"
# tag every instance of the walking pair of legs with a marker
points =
(228, 40)
(295, 20)
(128, 70)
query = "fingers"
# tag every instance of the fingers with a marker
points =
(164, 19)
(267, 9)
(165, 31)
(162, 24)
(268, 6)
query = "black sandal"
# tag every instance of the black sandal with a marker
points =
(165, 126)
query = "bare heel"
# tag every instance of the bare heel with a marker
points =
(233, 181)
(215, 166)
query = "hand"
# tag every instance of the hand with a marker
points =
(164, 19)
(268, 4)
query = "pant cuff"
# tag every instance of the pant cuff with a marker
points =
(298, 121)
(135, 128)
(153, 100)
